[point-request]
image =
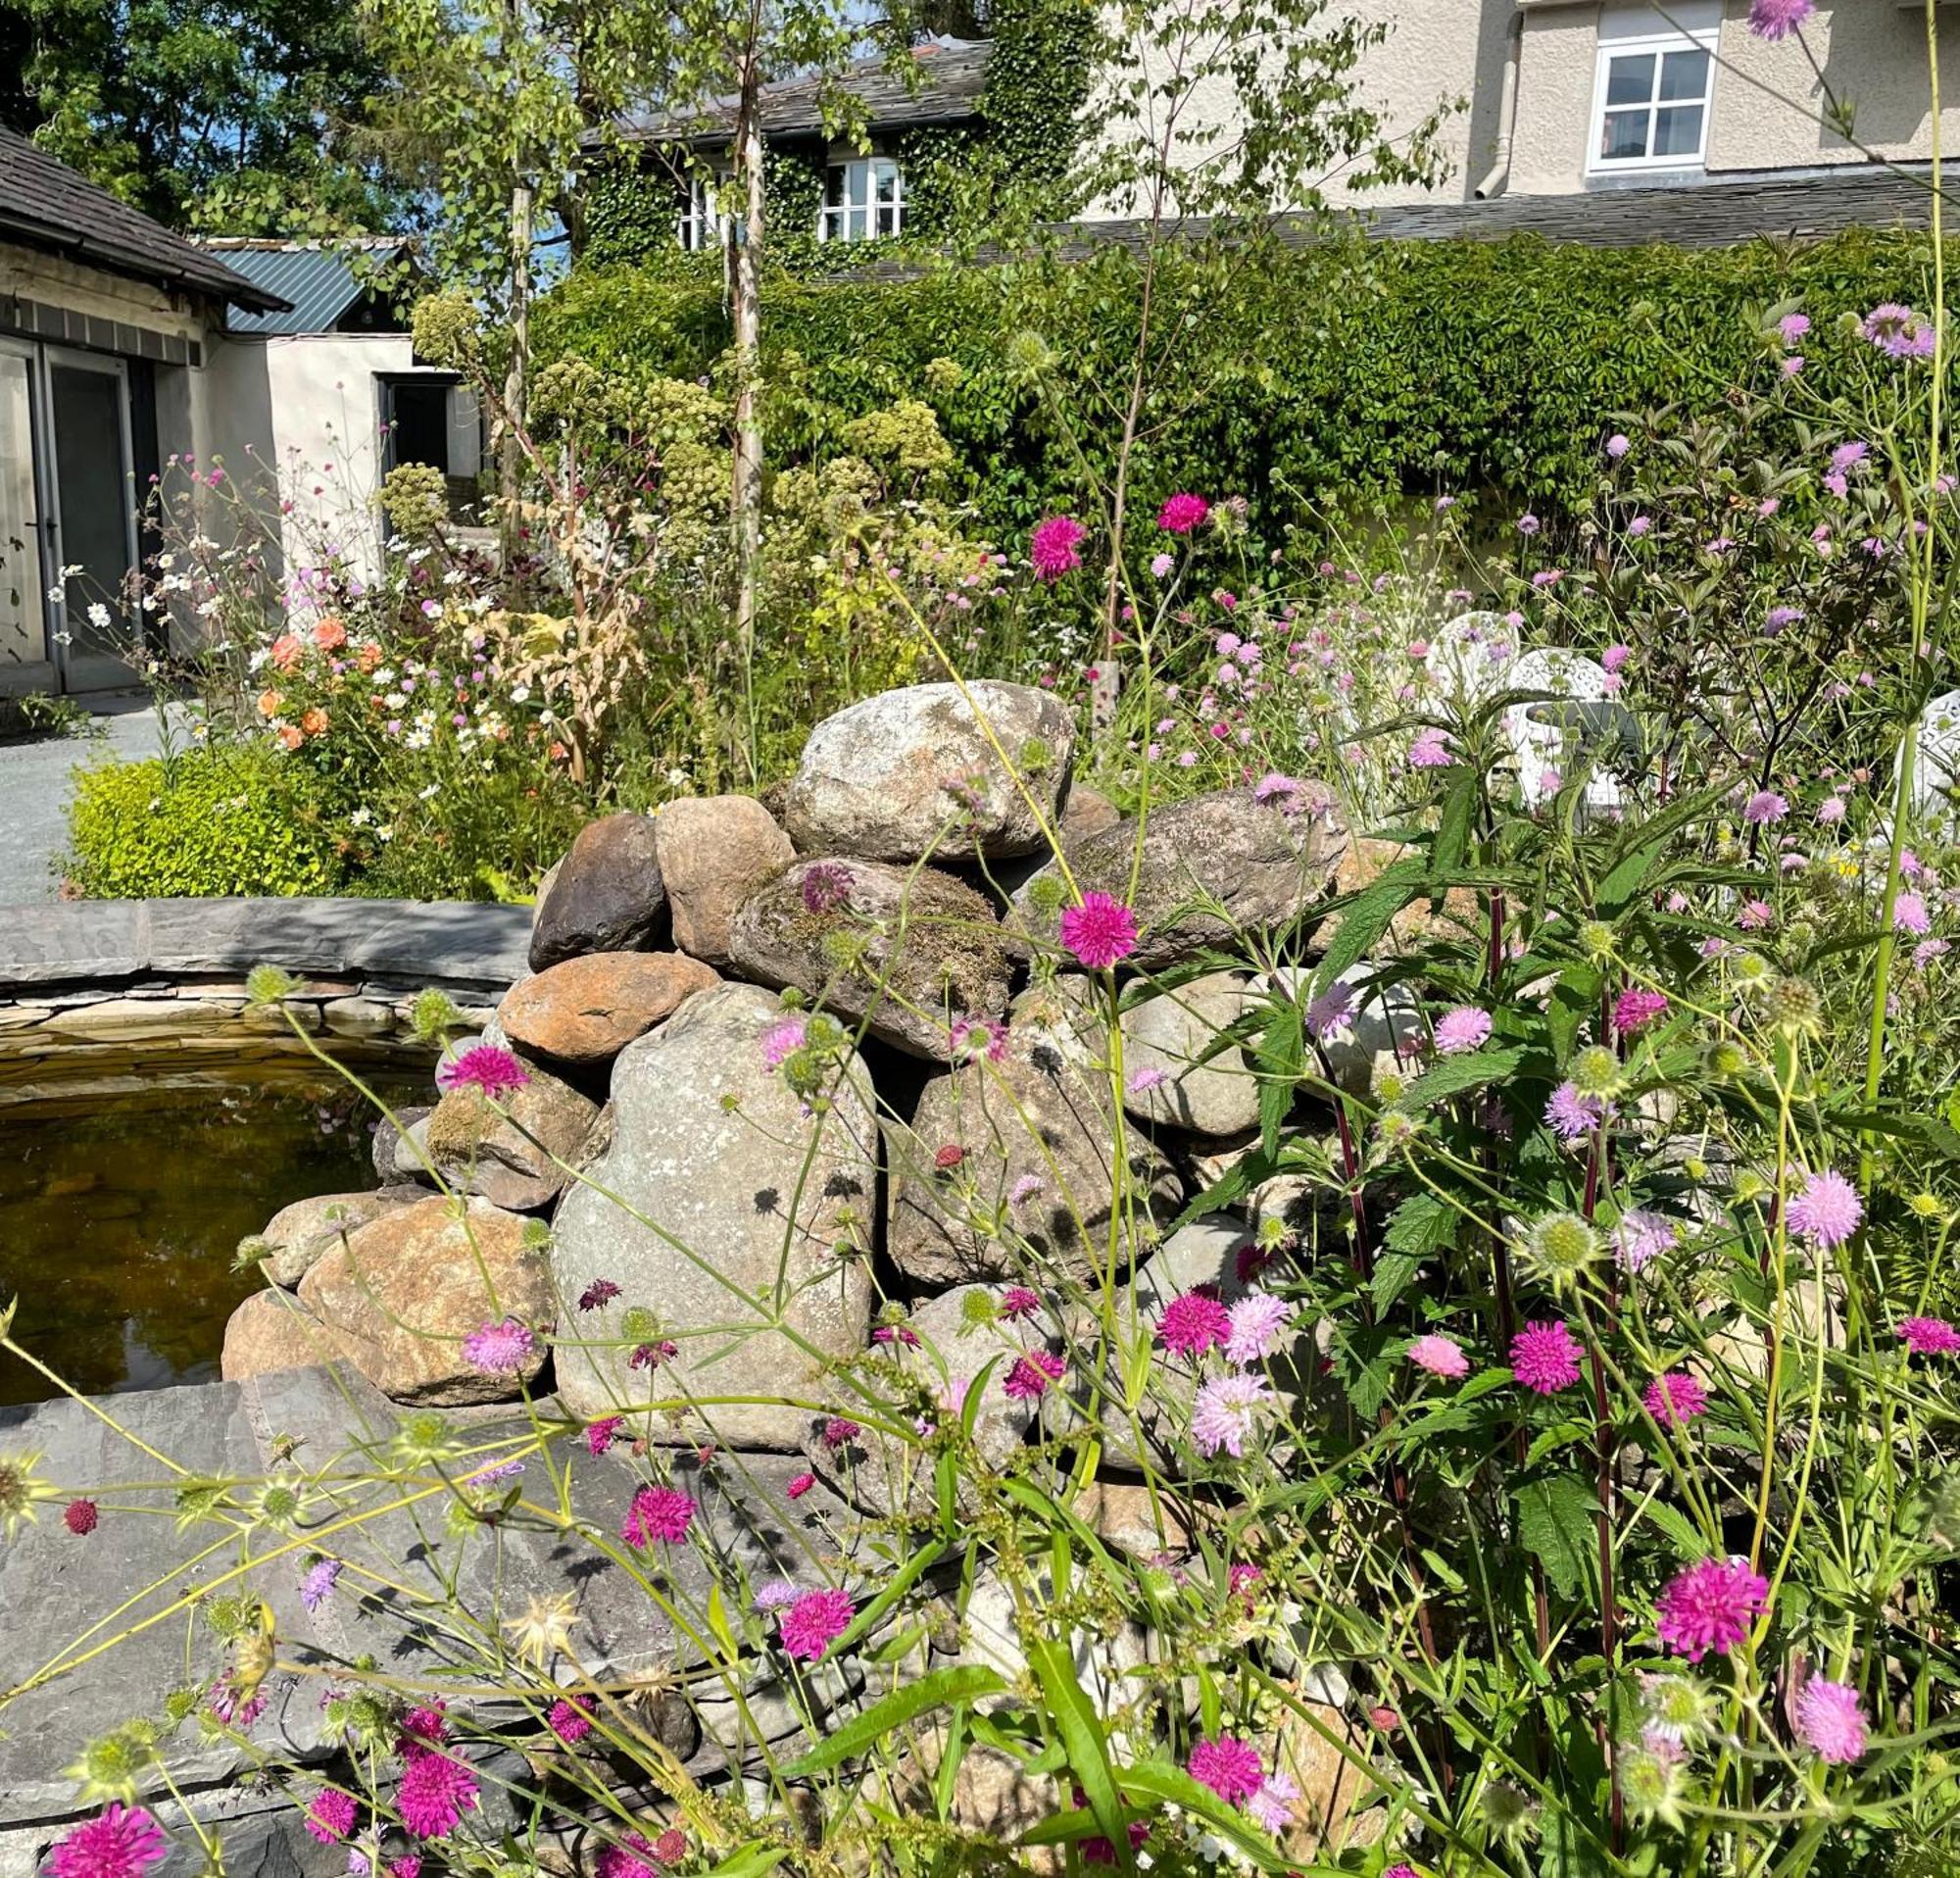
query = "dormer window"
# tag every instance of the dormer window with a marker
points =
(863, 199)
(1653, 86)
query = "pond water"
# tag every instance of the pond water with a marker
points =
(118, 1225)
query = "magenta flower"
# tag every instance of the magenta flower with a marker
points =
(1572, 1117)
(1635, 1008)
(840, 1429)
(1710, 1606)
(1192, 1323)
(801, 1485)
(810, 1625)
(1441, 1355)
(1461, 1029)
(782, 1040)
(1256, 1321)
(826, 885)
(1182, 513)
(599, 1292)
(1017, 1301)
(1055, 547)
(331, 1816)
(1674, 1398)
(1545, 1357)
(500, 1348)
(483, 1067)
(1029, 1379)
(434, 1794)
(662, 1514)
(1230, 1768)
(1225, 1411)
(971, 1037)
(1779, 19)
(1928, 1336)
(1098, 932)
(119, 1842)
(570, 1720)
(1831, 1719)
(1828, 1210)
(632, 1860)
(600, 1435)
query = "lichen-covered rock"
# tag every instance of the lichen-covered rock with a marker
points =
(604, 896)
(715, 851)
(913, 772)
(583, 1013)
(508, 1154)
(1008, 1168)
(751, 1218)
(271, 1330)
(299, 1235)
(1165, 1040)
(912, 951)
(1263, 863)
(400, 1295)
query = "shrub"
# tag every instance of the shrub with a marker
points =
(208, 822)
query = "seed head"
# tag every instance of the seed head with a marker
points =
(1596, 1072)
(1561, 1247)
(1794, 1005)
(1596, 939)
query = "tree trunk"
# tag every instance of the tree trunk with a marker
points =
(510, 453)
(746, 494)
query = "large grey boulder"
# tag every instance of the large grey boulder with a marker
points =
(604, 896)
(1207, 867)
(911, 773)
(912, 950)
(1165, 1043)
(747, 1205)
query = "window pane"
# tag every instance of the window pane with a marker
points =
(887, 219)
(853, 230)
(833, 185)
(1678, 131)
(1630, 79)
(887, 180)
(1684, 77)
(1623, 135)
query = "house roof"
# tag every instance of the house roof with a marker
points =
(46, 204)
(952, 74)
(316, 282)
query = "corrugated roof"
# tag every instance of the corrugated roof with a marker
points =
(318, 283)
(46, 204)
(952, 73)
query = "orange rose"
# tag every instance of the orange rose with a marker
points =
(314, 724)
(330, 636)
(270, 703)
(370, 655)
(286, 650)
(290, 736)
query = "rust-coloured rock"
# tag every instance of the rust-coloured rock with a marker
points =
(588, 1010)
(272, 1330)
(715, 851)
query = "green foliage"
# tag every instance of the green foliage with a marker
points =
(206, 822)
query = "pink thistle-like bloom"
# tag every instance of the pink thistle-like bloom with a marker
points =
(1710, 1606)
(1224, 1412)
(1778, 20)
(1019, 1302)
(600, 1435)
(434, 1794)
(1055, 547)
(485, 1068)
(499, 1348)
(781, 1041)
(1545, 1357)
(119, 1842)
(1792, 327)
(634, 1859)
(80, 1516)
(826, 886)
(978, 1037)
(1441, 1355)
(570, 1720)
(897, 1333)
(1254, 1327)
(837, 1430)
(800, 1486)
(1828, 1210)
(810, 1625)
(599, 1291)
(1241, 1578)
(1674, 1398)
(1461, 1029)
(1182, 513)
(1430, 750)
(1192, 1323)
(1636, 1007)
(1230, 1768)
(1272, 1805)
(408, 1865)
(1830, 1719)
(1098, 932)
(425, 1727)
(1142, 1081)
(331, 1816)
(1897, 332)
(1401, 1871)
(662, 1514)
(1572, 1117)
(1765, 805)
(1909, 915)
(1029, 1379)
(1757, 915)
(1928, 1336)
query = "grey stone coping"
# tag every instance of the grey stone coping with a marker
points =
(465, 945)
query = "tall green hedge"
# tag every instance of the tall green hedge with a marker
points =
(1331, 374)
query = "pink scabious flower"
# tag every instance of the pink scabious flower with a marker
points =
(1765, 805)
(1572, 1117)
(1635, 1008)
(1255, 1323)
(485, 1068)
(1055, 547)
(1098, 932)
(1142, 1081)
(1460, 1029)
(331, 1816)
(119, 1842)
(1757, 915)
(1230, 1768)
(1897, 332)
(1617, 446)
(1182, 513)
(1224, 1412)
(570, 1720)
(1029, 1379)
(1192, 1323)
(1909, 915)
(840, 1429)
(662, 1514)
(1928, 1336)
(1674, 1398)
(499, 1348)
(896, 1333)
(408, 1865)
(800, 1486)
(425, 1727)
(1545, 1357)
(1017, 1301)
(1272, 1805)
(632, 1860)
(600, 1435)
(1792, 327)
(316, 1587)
(972, 1037)
(1710, 1606)
(434, 1794)
(1830, 1719)
(782, 1040)
(1430, 750)
(1161, 563)
(810, 1625)
(1825, 1212)
(826, 885)
(1441, 1355)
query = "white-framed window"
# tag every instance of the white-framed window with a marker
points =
(863, 199)
(1653, 86)
(699, 222)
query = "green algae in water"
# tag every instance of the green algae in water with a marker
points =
(117, 1226)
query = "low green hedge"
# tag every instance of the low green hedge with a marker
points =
(211, 822)
(1327, 373)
